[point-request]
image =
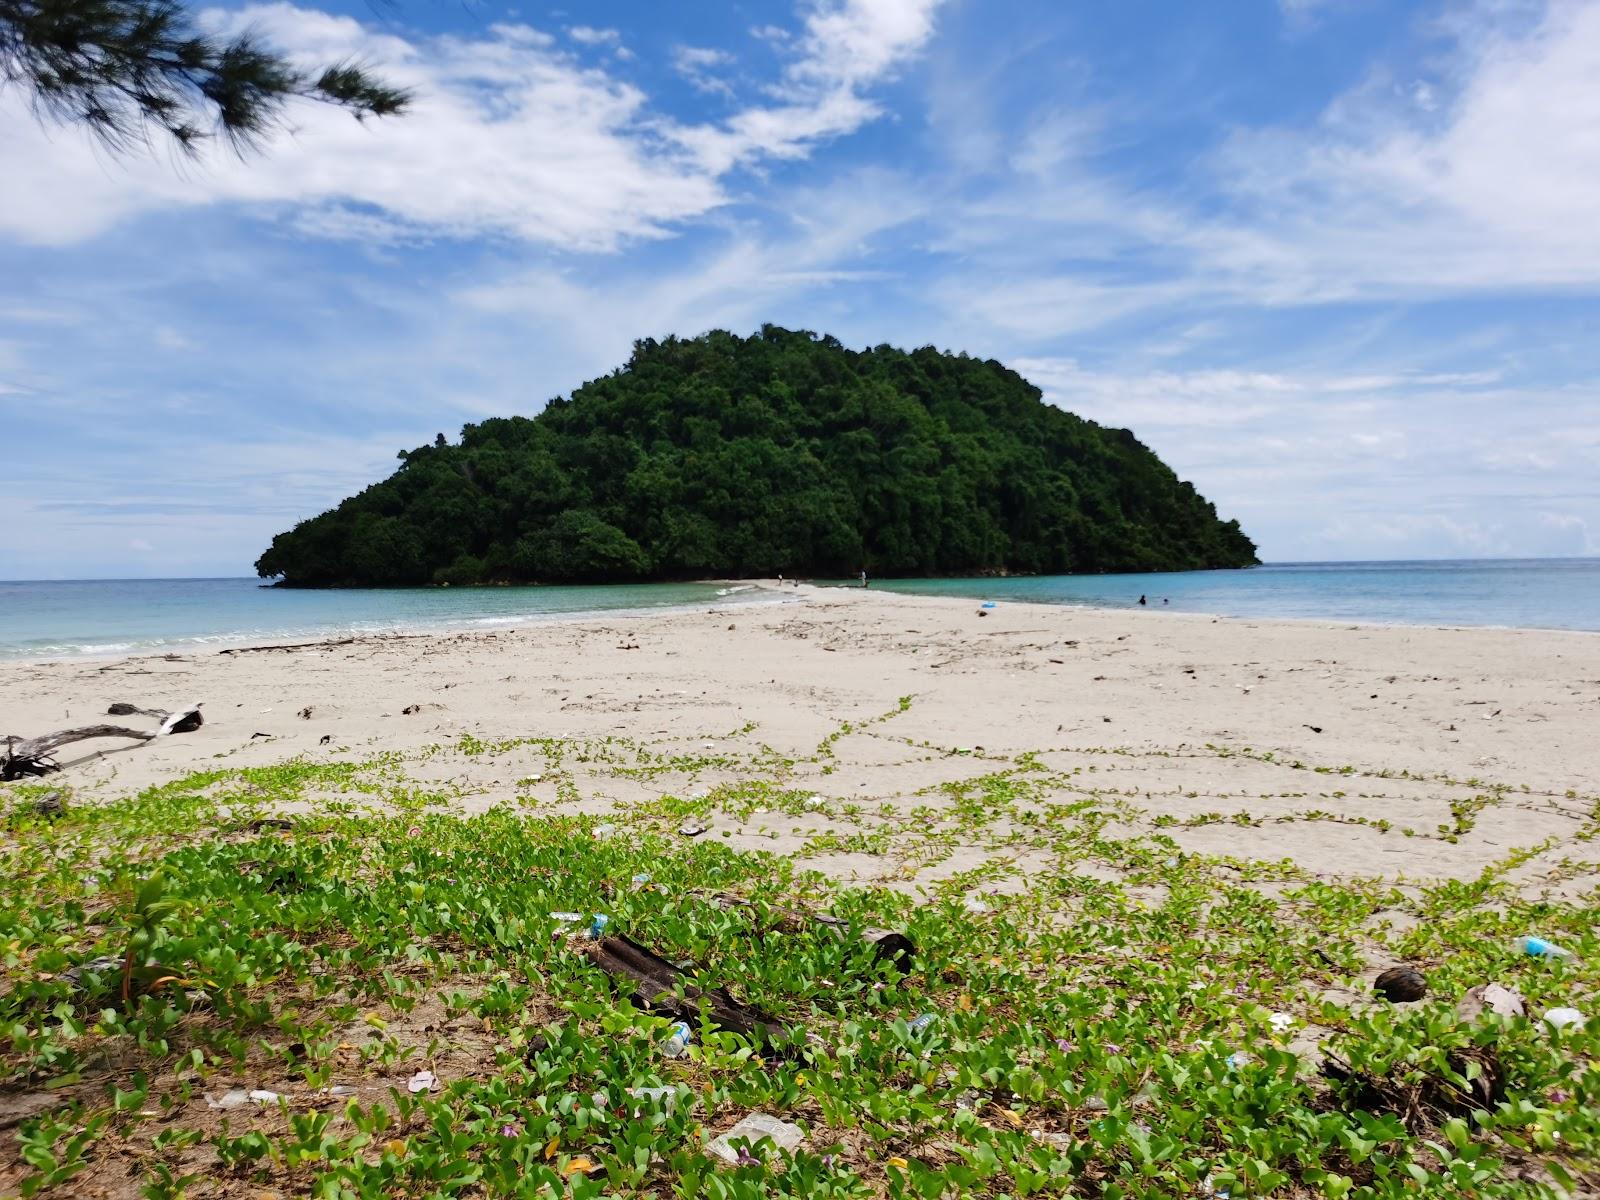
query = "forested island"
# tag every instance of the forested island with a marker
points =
(783, 452)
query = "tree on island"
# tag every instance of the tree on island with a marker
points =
(127, 68)
(783, 452)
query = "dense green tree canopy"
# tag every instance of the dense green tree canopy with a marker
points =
(781, 452)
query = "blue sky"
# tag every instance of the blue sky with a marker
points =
(1335, 261)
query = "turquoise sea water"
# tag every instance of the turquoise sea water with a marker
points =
(1544, 593)
(109, 617)
(135, 616)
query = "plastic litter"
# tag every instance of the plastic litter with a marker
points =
(922, 1022)
(691, 830)
(678, 1039)
(639, 881)
(597, 927)
(1539, 948)
(987, 604)
(1280, 1021)
(664, 1098)
(1491, 997)
(422, 1081)
(99, 966)
(605, 829)
(1560, 1018)
(752, 1129)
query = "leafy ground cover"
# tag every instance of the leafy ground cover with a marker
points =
(1121, 1018)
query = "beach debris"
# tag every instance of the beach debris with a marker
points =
(1401, 985)
(411, 710)
(51, 804)
(888, 945)
(182, 720)
(981, 613)
(1537, 947)
(337, 1090)
(691, 829)
(919, 1023)
(258, 733)
(305, 713)
(987, 604)
(423, 1081)
(262, 824)
(325, 739)
(678, 1040)
(604, 830)
(750, 1132)
(1561, 1018)
(1281, 1022)
(664, 1098)
(652, 982)
(597, 927)
(349, 641)
(1314, 728)
(1491, 997)
(239, 1097)
(1470, 1079)
(105, 964)
(25, 757)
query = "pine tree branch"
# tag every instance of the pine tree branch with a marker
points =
(127, 68)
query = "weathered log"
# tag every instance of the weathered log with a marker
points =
(121, 708)
(887, 945)
(183, 720)
(290, 646)
(35, 756)
(655, 984)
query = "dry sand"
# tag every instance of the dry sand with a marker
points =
(1254, 739)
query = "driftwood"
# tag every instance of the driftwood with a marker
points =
(26, 757)
(184, 720)
(35, 756)
(349, 641)
(887, 945)
(654, 983)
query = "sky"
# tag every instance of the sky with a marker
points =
(1336, 261)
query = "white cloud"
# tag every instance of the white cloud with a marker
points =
(509, 137)
(1484, 177)
(698, 64)
(588, 35)
(846, 47)
(1373, 464)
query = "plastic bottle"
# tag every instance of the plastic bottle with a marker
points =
(597, 927)
(678, 1039)
(1540, 948)
(922, 1022)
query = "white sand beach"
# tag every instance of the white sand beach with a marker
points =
(1406, 753)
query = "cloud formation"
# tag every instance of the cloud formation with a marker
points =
(510, 137)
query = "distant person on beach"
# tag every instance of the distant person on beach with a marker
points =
(1164, 600)
(863, 577)
(1141, 601)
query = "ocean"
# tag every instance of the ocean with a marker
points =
(1536, 593)
(62, 619)
(100, 617)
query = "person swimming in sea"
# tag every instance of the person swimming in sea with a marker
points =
(1141, 601)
